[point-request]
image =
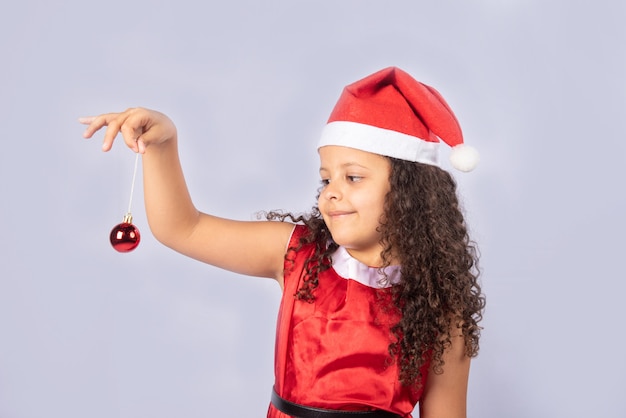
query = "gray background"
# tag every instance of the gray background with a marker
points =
(86, 332)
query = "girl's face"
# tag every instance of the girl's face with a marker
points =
(354, 186)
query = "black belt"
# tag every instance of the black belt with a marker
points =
(301, 411)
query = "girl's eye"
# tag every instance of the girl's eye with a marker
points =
(324, 182)
(354, 179)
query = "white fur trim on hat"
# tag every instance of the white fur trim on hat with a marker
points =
(379, 141)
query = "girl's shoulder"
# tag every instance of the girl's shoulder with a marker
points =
(301, 237)
(299, 231)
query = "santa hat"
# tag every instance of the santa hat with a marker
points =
(392, 114)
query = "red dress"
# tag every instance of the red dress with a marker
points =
(333, 353)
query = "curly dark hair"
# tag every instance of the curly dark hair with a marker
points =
(439, 295)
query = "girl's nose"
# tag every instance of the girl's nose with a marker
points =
(331, 191)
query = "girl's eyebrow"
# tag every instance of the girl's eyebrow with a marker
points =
(347, 165)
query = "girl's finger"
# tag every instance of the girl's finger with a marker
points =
(141, 146)
(114, 126)
(130, 132)
(86, 120)
(95, 123)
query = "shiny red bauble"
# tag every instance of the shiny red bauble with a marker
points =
(125, 236)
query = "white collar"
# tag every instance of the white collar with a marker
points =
(350, 268)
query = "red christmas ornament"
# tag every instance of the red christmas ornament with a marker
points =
(125, 236)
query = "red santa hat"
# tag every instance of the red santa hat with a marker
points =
(392, 114)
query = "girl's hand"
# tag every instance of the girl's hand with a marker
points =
(139, 127)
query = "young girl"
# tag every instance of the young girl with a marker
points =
(380, 296)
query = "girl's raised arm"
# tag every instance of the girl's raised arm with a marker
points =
(251, 248)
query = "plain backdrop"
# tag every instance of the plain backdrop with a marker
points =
(538, 86)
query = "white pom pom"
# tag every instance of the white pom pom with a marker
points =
(464, 157)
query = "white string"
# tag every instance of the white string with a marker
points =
(132, 186)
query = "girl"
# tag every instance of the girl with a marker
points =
(380, 296)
